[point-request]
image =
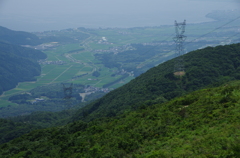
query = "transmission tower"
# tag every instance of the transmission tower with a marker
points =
(67, 91)
(179, 40)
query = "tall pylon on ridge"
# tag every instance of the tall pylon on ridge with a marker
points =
(179, 40)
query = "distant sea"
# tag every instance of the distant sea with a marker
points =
(34, 23)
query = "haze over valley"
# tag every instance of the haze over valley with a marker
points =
(46, 15)
(120, 79)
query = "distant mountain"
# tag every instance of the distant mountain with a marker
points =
(204, 123)
(212, 65)
(223, 15)
(18, 64)
(18, 37)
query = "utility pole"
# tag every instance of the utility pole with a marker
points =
(179, 40)
(67, 95)
(67, 91)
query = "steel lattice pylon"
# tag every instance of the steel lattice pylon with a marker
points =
(179, 40)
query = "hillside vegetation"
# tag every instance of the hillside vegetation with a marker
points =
(204, 123)
(10, 130)
(149, 96)
(18, 37)
(212, 65)
(203, 67)
(18, 64)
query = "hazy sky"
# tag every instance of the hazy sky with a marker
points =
(39, 15)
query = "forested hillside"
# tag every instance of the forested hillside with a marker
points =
(212, 65)
(201, 124)
(18, 37)
(208, 67)
(18, 64)
(10, 130)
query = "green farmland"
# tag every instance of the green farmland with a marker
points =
(79, 60)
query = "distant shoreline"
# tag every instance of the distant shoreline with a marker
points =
(32, 24)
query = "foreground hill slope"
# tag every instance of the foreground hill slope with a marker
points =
(158, 85)
(10, 130)
(18, 64)
(204, 123)
(203, 67)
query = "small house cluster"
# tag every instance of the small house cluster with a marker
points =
(45, 62)
(96, 89)
(37, 100)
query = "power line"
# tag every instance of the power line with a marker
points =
(217, 28)
(159, 44)
(214, 30)
(179, 40)
(231, 36)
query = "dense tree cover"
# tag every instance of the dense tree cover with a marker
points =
(96, 73)
(10, 130)
(210, 66)
(22, 51)
(18, 64)
(44, 119)
(204, 123)
(203, 67)
(53, 105)
(16, 126)
(18, 37)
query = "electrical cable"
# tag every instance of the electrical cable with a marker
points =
(214, 30)
(217, 28)
(231, 37)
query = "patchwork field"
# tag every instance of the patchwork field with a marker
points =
(79, 62)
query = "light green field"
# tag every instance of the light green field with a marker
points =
(84, 57)
(5, 102)
(65, 73)
(98, 46)
(126, 80)
(13, 91)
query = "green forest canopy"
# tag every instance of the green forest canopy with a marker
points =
(18, 64)
(204, 67)
(18, 37)
(204, 123)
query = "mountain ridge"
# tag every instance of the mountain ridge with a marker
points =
(203, 67)
(18, 64)
(18, 37)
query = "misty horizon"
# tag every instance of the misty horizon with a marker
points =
(35, 16)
